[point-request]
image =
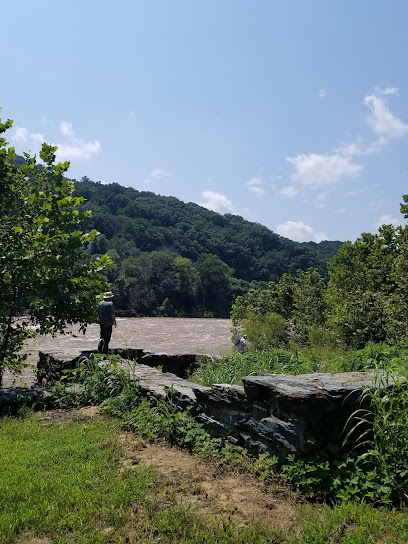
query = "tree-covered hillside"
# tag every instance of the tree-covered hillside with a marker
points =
(147, 234)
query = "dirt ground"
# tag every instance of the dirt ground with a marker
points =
(154, 334)
(219, 494)
(213, 492)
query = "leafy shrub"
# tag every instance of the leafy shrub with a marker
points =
(372, 356)
(331, 477)
(266, 331)
(92, 383)
(379, 472)
(320, 336)
(386, 438)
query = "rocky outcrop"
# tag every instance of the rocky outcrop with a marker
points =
(275, 413)
(50, 368)
(297, 413)
(179, 364)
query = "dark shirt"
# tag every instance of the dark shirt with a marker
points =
(105, 311)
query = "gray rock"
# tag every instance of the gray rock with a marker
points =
(224, 403)
(274, 413)
(272, 435)
(13, 397)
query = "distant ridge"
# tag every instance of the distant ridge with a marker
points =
(139, 221)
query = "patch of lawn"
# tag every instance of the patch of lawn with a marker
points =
(65, 483)
(64, 479)
(352, 523)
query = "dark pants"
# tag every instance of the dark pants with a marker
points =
(105, 336)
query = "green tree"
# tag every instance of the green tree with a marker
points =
(189, 280)
(310, 303)
(215, 284)
(45, 273)
(266, 331)
(367, 290)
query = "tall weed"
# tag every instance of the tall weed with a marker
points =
(386, 436)
(376, 470)
(299, 360)
(95, 380)
(231, 369)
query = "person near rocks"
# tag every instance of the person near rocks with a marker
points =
(107, 318)
(242, 344)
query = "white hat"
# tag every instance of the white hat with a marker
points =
(108, 294)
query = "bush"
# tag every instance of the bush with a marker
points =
(266, 331)
(378, 473)
(93, 382)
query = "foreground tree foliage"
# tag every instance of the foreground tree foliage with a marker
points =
(367, 291)
(365, 299)
(45, 273)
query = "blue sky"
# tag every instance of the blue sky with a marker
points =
(293, 114)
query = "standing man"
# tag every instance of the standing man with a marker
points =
(242, 344)
(106, 313)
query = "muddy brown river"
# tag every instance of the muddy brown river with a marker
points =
(154, 334)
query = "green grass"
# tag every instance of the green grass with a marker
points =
(63, 479)
(63, 482)
(299, 360)
(352, 523)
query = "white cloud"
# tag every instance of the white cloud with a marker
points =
(37, 139)
(381, 120)
(361, 147)
(75, 147)
(379, 204)
(256, 190)
(34, 141)
(66, 129)
(320, 201)
(289, 191)
(20, 136)
(388, 220)
(71, 148)
(383, 123)
(322, 93)
(254, 181)
(159, 173)
(298, 231)
(314, 170)
(216, 202)
(360, 191)
(254, 185)
(156, 174)
(389, 90)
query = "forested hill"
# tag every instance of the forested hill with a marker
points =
(134, 222)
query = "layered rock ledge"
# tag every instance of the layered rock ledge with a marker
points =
(274, 413)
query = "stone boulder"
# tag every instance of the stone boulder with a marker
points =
(298, 413)
(277, 414)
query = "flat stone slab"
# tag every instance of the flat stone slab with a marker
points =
(306, 385)
(157, 335)
(158, 384)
